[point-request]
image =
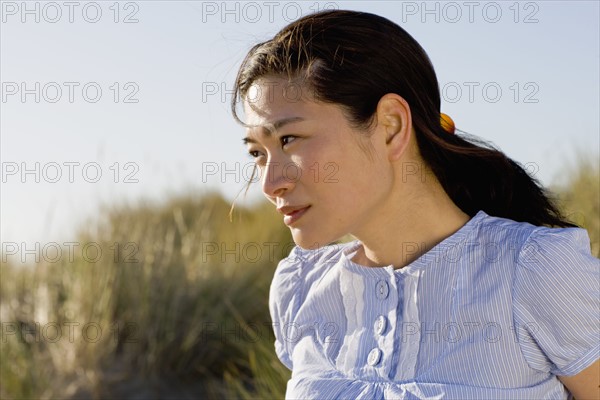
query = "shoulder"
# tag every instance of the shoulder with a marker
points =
(504, 230)
(557, 247)
(293, 279)
(531, 243)
(303, 267)
(555, 292)
(554, 264)
(556, 299)
(555, 268)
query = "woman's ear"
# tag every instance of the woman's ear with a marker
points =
(393, 115)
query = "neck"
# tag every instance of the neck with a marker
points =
(412, 223)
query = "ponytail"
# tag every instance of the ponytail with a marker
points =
(478, 176)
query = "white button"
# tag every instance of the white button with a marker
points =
(380, 324)
(374, 357)
(382, 290)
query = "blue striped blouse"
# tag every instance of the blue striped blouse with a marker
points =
(494, 311)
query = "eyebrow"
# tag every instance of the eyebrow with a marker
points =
(276, 125)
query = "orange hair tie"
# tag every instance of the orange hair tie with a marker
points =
(447, 123)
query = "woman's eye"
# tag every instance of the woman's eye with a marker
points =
(286, 139)
(254, 153)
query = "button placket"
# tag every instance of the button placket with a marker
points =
(382, 291)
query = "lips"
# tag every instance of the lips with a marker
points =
(292, 213)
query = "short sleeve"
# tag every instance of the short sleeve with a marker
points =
(556, 301)
(285, 297)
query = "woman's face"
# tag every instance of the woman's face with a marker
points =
(312, 165)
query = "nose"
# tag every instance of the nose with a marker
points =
(277, 179)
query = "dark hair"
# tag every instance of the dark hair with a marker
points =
(352, 59)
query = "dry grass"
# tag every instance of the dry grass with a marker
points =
(579, 197)
(182, 307)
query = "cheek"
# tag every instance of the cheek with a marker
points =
(328, 164)
(323, 174)
(339, 168)
(313, 166)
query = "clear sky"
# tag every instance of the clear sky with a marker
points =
(133, 97)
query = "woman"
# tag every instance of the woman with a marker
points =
(464, 280)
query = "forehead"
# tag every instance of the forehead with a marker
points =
(274, 98)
